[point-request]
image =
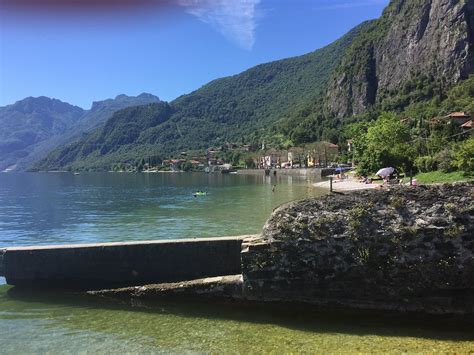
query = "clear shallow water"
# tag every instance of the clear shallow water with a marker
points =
(62, 208)
(70, 324)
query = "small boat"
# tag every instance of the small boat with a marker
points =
(77, 173)
(199, 193)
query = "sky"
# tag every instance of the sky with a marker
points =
(80, 51)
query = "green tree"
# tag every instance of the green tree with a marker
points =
(460, 97)
(464, 156)
(186, 166)
(236, 156)
(444, 160)
(249, 163)
(425, 164)
(388, 142)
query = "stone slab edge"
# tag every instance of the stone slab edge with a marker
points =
(2, 269)
(146, 242)
(229, 286)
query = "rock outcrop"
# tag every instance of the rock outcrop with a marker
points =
(409, 249)
(434, 38)
(404, 250)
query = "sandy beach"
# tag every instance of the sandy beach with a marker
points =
(345, 185)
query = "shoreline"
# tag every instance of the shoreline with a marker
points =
(345, 185)
(411, 228)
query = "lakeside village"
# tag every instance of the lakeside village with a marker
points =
(439, 144)
(231, 157)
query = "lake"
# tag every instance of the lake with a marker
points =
(64, 208)
(38, 209)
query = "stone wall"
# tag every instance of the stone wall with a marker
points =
(121, 264)
(409, 249)
(2, 271)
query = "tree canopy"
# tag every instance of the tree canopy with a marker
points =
(386, 143)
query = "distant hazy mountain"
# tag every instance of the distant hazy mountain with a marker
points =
(31, 121)
(102, 110)
(31, 128)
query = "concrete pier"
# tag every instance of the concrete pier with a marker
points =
(93, 266)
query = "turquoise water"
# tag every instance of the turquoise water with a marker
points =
(62, 208)
(73, 324)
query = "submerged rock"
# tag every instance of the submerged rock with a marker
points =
(219, 287)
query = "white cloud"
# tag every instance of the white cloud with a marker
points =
(235, 19)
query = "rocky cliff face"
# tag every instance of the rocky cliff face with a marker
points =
(413, 37)
(410, 249)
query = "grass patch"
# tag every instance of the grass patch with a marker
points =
(440, 177)
(397, 202)
(453, 231)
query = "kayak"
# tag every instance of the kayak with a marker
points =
(199, 193)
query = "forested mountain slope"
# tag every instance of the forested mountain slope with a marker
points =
(243, 106)
(415, 53)
(32, 127)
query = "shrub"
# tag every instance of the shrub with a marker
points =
(464, 156)
(425, 164)
(249, 163)
(444, 159)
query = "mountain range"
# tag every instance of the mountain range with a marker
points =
(32, 127)
(415, 53)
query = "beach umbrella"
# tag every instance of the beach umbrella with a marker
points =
(385, 172)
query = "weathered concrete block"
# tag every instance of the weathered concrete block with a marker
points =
(2, 271)
(122, 264)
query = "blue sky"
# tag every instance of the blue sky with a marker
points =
(85, 55)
